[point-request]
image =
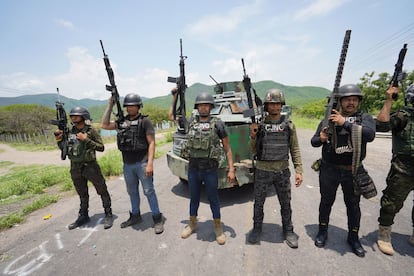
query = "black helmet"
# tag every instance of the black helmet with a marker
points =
(409, 95)
(133, 99)
(204, 98)
(274, 96)
(81, 111)
(350, 90)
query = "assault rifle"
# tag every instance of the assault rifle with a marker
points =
(112, 87)
(179, 110)
(62, 123)
(251, 112)
(398, 73)
(334, 97)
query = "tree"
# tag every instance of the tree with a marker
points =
(374, 90)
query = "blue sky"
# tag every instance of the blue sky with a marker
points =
(51, 43)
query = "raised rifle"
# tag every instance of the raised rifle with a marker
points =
(252, 112)
(333, 101)
(112, 87)
(398, 75)
(179, 110)
(62, 123)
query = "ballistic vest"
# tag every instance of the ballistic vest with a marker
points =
(273, 140)
(77, 150)
(403, 141)
(203, 141)
(131, 135)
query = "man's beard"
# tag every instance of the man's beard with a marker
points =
(204, 114)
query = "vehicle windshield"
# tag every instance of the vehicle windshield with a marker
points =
(232, 107)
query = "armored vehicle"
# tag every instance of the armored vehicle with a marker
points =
(230, 101)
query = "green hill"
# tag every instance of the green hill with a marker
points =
(295, 96)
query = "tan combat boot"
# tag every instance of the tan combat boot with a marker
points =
(411, 240)
(190, 228)
(218, 230)
(384, 240)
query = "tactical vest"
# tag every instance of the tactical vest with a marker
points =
(203, 141)
(403, 141)
(131, 135)
(77, 150)
(273, 140)
(341, 140)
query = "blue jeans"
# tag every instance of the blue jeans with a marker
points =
(133, 173)
(210, 179)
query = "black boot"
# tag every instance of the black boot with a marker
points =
(355, 244)
(290, 237)
(133, 219)
(81, 220)
(254, 235)
(109, 219)
(322, 235)
(158, 223)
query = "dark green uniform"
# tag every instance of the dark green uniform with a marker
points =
(84, 167)
(400, 179)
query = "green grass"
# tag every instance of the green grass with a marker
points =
(111, 163)
(305, 122)
(31, 179)
(4, 164)
(14, 218)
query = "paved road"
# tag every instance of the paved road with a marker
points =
(46, 247)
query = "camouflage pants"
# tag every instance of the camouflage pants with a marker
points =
(91, 171)
(399, 185)
(281, 182)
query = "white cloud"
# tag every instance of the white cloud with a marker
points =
(86, 78)
(66, 24)
(211, 25)
(318, 7)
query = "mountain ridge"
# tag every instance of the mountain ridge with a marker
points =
(295, 95)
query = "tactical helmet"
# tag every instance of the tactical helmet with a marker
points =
(409, 95)
(273, 96)
(350, 90)
(133, 99)
(81, 111)
(204, 98)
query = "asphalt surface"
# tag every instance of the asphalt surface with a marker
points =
(47, 247)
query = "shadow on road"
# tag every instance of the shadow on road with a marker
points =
(399, 243)
(271, 232)
(228, 197)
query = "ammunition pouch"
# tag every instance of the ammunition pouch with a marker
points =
(363, 184)
(316, 165)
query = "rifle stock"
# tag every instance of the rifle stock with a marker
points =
(398, 73)
(112, 87)
(334, 97)
(179, 109)
(62, 123)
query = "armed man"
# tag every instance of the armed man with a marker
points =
(82, 144)
(271, 142)
(136, 141)
(207, 137)
(400, 179)
(352, 130)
